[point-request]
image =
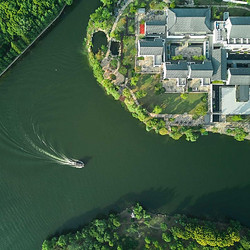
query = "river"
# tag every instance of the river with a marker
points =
(51, 106)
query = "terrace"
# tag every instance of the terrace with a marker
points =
(186, 50)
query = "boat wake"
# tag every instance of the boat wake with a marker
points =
(39, 148)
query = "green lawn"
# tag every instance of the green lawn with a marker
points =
(170, 103)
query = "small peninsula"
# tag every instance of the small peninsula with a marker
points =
(179, 67)
(135, 228)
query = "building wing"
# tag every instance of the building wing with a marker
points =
(203, 70)
(219, 62)
(189, 21)
(239, 27)
(239, 76)
(179, 70)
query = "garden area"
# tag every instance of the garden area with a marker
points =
(152, 94)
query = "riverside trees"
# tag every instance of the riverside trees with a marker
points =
(135, 228)
(21, 22)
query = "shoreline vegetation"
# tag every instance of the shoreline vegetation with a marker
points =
(116, 19)
(135, 228)
(22, 24)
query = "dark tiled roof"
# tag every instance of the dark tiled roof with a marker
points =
(239, 76)
(179, 70)
(155, 27)
(240, 27)
(242, 93)
(189, 21)
(204, 70)
(153, 48)
(219, 62)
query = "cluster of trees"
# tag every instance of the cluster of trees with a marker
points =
(99, 234)
(192, 134)
(132, 229)
(21, 22)
(238, 133)
(207, 234)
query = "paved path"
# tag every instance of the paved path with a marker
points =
(234, 1)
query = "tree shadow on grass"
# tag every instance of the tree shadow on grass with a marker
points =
(151, 199)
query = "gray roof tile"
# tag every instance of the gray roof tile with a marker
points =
(240, 27)
(204, 70)
(239, 76)
(151, 48)
(189, 21)
(219, 62)
(179, 70)
(155, 27)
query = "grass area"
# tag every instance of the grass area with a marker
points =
(170, 103)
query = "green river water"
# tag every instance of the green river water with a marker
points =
(52, 107)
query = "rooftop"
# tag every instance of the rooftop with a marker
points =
(203, 70)
(229, 105)
(219, 62)
(151, 48)
(239, 76)
(155, 27)
(240, 27)
(177, 70)
(189, 20)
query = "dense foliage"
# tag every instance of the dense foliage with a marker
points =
(21, 22)
(135, 228)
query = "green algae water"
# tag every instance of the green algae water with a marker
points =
(52, 109)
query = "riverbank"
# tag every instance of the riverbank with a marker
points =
(135, 228)
(17, 48)
(116, 28)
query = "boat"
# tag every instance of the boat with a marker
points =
(77, 163)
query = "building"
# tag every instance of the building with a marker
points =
(188, 45)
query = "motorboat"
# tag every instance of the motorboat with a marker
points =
(77, 163)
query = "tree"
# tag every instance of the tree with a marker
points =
(140, 94)
(236, 118)
(184, 96)
(172, 5)
(191, 136)
(69, 2)
(166, 237)
(240, 134)
(157, 109)
(123, 70)
(163, 131)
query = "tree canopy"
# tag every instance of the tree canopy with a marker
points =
(21, 22)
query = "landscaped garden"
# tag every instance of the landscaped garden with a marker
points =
(170, 103)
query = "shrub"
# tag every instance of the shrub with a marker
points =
(184, 96)
(236, 118)
(163, 131)
(157, 109)
(123, 70)
(113, 63)
(240, 134)
(166, 237)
